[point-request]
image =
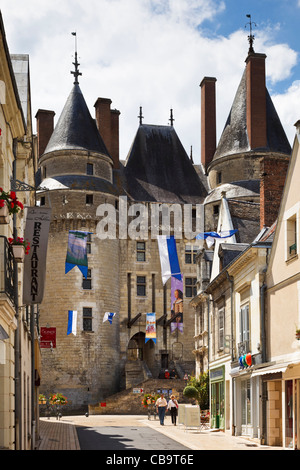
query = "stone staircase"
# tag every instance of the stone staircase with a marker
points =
(129, 401)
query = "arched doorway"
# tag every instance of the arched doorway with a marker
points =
(139, 350)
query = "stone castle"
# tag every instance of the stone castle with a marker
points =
(80, 170)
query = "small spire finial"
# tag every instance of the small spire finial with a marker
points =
(140, 116)
(251, 36)
(76, 73)
(171, 117)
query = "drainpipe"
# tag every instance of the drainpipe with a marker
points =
(230, 280)
(263, 358)
(33, 421)
(262, 322)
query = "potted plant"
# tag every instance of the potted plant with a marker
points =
(20, 247)
(9, 204)
(42, 399)
(298, 333)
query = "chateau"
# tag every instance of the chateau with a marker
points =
(81, 173)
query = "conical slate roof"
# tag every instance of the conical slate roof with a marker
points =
(76, 129)
(234, 138)
(159, 169)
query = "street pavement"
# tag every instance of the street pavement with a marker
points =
(123, 432)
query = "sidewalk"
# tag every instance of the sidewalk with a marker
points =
(61, 434)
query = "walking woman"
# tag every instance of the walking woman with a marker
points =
(173, 407)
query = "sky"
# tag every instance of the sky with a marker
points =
(154, 54)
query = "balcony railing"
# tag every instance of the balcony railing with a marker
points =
(6, 269)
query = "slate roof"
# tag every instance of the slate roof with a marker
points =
(158, 168)
(234, 138)
(76, 129)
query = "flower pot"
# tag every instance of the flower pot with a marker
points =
(297, 335)
(4, 214)
(18, 252)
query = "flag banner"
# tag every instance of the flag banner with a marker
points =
(176, 304)
(36, 233)
(108, 316)
(76, 252)
(168, 257)
(210, 236)
(150, 327)
(72, 322)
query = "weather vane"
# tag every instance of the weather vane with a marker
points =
(140, 116)
(76, 73)
(251, 36)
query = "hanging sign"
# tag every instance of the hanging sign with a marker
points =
(48, 337)
(36, 233)
(177, 304)
(150, 327)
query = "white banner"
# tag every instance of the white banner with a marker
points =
(36, 232)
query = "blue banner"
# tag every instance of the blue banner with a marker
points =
(76, 252)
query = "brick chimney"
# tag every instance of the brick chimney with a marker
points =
(108, 125)
(208, 120)
(45, 126)
(273, 173)
(256, 100)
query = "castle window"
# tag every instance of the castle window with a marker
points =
(141, 286)
(219, 177)
(87, 318)
(89, 199)
(89, 243)
(190, 286)
(141, 251)
(89, 169)
(190, 254)
(42, 201)
(87, 282)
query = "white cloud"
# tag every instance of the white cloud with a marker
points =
(288, 107)
(149, 53)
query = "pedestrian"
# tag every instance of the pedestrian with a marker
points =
(161, 407)
(173, 407)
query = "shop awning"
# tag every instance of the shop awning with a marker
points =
(274, 369)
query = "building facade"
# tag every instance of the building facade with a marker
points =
(246, 174)
(19, 351)
(281, 377)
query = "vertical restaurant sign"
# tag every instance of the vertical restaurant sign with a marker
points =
(36, 232)
(150, 327)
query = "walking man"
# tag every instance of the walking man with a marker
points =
(161, 406)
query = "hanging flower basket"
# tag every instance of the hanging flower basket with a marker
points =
(298, 334)
(57, 399)
(42, 399)
(9, 200)
(4, 214)
(20, 248)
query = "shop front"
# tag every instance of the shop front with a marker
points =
(217, 397)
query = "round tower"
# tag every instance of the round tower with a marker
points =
(76, 177)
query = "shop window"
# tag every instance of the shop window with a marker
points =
(87, 316)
